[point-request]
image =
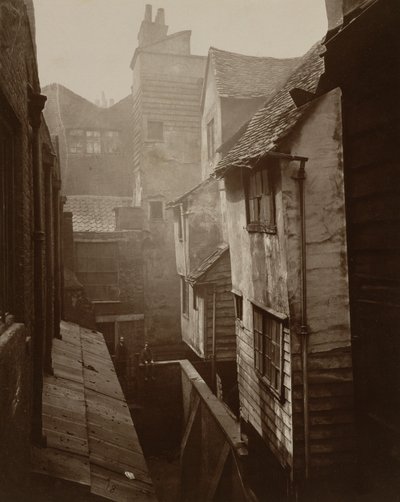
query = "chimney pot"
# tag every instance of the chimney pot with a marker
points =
(148, 13)
(160, 17)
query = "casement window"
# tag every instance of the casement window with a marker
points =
(210, 140)
(111, 142)
(77, 141)
(238, 303)
(184, 296)
(93, 142)
(268, 348)
(7, 221)
(195, 299)
(155, 130)
(260, 200)
(156, 210)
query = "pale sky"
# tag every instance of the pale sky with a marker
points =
(87, 45)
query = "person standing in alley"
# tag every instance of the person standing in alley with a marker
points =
(147, 360)
(121, 361)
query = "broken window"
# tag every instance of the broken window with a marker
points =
(156, 210)
(77, 141)
(93, 142)
(184, 296)
(260, 200)
(111, 142)
(7, 221)
(210, 140)
(268, 348)
(155, 130)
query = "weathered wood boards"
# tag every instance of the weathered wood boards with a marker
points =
(91, 439)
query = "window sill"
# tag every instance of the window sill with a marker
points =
(148, 140)
(280, 396)
(261, 228)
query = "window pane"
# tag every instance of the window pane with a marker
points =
(265, 182)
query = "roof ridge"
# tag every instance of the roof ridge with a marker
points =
(211, 49)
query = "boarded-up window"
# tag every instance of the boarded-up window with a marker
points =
(7, 221)
(260, 200)
(97, 268)
(155, 130)
(210, 140)
(156, 210)
(268, 348)
(93, 142)
(184, 296)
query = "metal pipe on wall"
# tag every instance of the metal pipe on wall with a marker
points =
(301, 176)
(36, 105)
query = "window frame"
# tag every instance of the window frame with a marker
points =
(254, 201)
(262, 339)
(238, 305)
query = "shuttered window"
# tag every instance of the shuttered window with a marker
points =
(268, 348)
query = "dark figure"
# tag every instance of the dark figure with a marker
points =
(147, 360)
(121, 361)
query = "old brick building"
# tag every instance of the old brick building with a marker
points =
(30, 245)
(167, 83)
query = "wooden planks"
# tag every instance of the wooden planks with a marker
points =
(91, 439)
(114, 447)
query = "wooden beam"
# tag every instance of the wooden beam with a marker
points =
(190, 423)
(213, 485)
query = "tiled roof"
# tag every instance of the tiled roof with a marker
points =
(92, 213)
(207, 264)
(243, 76)
(276, 119)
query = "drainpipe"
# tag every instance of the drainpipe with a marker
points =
(214, 342)
(183, 223)
(301, 176)
(36, 105)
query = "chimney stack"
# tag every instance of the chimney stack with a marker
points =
(160, 17)
(148, 16)
(152, 31)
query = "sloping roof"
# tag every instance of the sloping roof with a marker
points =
(182, 197)
(276, 119)
(207, 264)
(92, 213)
(243, 76)
(91, 439)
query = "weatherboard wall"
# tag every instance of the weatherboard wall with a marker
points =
(266, 271)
